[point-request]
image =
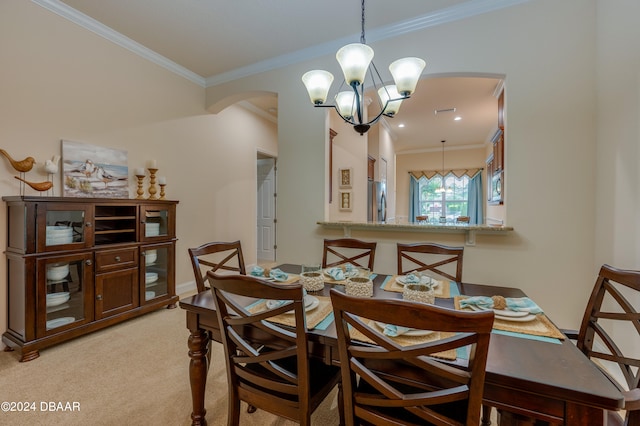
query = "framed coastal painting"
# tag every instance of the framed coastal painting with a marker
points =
(94, 171)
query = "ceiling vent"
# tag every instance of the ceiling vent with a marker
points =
(440, 111)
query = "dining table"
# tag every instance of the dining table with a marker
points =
(532, 377)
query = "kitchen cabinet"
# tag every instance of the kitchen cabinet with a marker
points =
(77, 265)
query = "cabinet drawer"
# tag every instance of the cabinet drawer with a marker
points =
(107, 260)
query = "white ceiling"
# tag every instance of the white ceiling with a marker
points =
(216, 40)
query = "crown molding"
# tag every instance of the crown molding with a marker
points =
(102, 30)
(449, 14)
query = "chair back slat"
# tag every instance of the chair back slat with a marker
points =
(216, 256)
(430, 257)
(410, 384)
(268, 364)
(348, 250)
(610, 314)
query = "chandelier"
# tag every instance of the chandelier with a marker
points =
(355, 60)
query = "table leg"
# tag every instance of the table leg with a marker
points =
(198, 367)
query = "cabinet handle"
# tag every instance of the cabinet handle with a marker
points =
(88, 224)
(88, 262)
(99, 297)
(117, 258)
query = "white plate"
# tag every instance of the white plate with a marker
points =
(315, 302)
(400, 279)
(151, 277)
(55, 299)
(529, 317)
(59, 322)
(412, 332)
(502, 313)
(505, 315)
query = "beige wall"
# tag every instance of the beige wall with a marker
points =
(59, 81)
(573, 94)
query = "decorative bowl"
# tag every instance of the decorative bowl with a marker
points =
(57, 272)
(150, 257)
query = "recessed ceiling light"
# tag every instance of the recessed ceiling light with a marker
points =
(401, 125)
(458, 118)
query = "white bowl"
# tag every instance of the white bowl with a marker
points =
(148, 295)
(151, 277)
(58, 272)
(55, 299)
(150, 256)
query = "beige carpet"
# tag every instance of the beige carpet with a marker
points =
(135, 373)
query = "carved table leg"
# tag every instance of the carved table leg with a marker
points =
(198, 367)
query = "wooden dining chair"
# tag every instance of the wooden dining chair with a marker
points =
(348, 250)
(268, 365)
(216, 256)
(431, 257)
(612, 312)
(386, 383)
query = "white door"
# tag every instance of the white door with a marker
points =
(266, 220)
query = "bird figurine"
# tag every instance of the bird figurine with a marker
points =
(51, 166)
(22, 166)
(38, 186)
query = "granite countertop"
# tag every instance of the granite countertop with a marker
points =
(413, 227)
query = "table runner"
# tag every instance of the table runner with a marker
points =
(314, 317)
(405, 340)
(443, 290)
(541, 326)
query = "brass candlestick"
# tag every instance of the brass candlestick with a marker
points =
(140, 191)
(162, 185)
(152, 184)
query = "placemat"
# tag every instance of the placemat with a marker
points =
(291, 278)
(314, 317)
(541, 326)
(405, 340)
(442, 291)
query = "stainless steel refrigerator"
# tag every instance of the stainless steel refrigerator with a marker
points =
(377, 202)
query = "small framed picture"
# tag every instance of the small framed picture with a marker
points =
(346, 201)
(345, 176)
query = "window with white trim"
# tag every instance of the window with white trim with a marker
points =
(450, 203)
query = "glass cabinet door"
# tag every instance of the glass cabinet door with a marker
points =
(157, 271)
(157, 222)
(63, 226)
(66, 284)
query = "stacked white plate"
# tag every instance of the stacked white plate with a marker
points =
(152, 229)
(59, 235)
(151, 277)
(57, 272)
(55, 299)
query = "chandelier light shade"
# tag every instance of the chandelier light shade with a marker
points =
(356, 59)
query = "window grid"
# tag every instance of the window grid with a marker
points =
(449, 204)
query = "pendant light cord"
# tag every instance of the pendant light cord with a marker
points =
(362, 39)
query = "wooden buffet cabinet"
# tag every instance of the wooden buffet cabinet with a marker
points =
(77, 265)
